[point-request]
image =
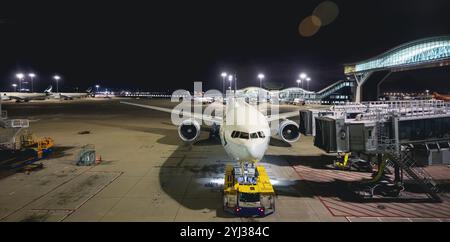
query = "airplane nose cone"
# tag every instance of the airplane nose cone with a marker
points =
(254, 152)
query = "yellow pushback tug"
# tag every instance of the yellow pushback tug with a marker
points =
(248, 191)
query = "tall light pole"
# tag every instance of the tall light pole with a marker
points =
(235, 84)
(20, 76)
(32, 76)
(303, 76)
(260, 77)
(224, 76)
(307, 82)
(298, 82)
(15, 87)
(230, 79)
(96, 88)
(56, 77)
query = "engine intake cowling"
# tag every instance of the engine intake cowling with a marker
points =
(189, 130)
(289, 131)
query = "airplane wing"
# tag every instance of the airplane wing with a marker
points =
(17, 98)
(215, 119)
(72, 95)
(282, 116)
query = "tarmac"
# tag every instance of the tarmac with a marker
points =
(147, 173)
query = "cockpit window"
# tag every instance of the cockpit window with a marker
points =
(261, 134)
(243, 135)
(235, 134)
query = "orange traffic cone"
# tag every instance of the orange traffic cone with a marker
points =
(98, 160)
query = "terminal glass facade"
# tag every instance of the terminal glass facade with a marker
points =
(418, 52)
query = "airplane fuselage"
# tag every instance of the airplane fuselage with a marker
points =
(22, 96)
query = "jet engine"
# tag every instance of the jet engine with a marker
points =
(289, 131)
(189, 130)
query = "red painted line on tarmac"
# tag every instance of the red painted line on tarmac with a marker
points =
(370, 206)
(429, 211)
(406, 211)
(315, 177)
(333, 175)
(374, 210)
(329, 210)
(344, 214)
(320, 199)
(382, 213)
(392, 209)
(323, 177)
(336, 174)
(410, 210)
(349, 212)
(350, 208)
(422, 213)
(439, 206)
(437, 209)
(444, 204)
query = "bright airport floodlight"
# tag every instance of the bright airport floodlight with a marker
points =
(303, 76)
(224, 74)
(230, 78)
(261, 76)
(56, 77)
(308, 79)
(20, 75)
(32, 75)
(299, 81)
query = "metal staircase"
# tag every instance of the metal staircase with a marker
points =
(401, 156)
(406, 163)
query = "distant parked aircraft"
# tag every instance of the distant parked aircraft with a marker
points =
(26, 96)
(445, 98)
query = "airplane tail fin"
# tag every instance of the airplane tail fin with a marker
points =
(48, 90)
(89, 90)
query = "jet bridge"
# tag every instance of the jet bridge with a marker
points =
(419, 54)
(394, 130)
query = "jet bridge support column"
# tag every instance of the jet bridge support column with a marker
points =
(360, 80)
(397, 148)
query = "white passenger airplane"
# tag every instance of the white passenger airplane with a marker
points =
(26, 96)
(244, 131)
(72, 95)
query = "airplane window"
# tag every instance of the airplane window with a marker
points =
(254, 135)
(261, 134)
(244, 135)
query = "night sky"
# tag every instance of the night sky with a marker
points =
(167, 45)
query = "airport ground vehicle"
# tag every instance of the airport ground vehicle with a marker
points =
(345, 161)
(298, 101)
(248, 191)
(31, 150)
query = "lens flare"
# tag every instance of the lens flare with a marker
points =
(309, 26)
(327, 12)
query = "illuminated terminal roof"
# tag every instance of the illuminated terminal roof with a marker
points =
(433, 51)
